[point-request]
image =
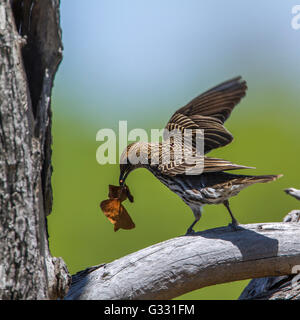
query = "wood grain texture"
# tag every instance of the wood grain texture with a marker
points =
(27, 269)
(276, 288)
(177, 266)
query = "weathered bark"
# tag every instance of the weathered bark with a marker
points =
(273, 288)
(31, 50)
(183, 264)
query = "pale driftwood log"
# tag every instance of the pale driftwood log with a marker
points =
(274, 288)
(30, 52)
(177, 266)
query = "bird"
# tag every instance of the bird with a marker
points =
(293, 192)
(213, 185)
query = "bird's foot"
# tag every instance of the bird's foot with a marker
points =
(234, 225)
(190, 231)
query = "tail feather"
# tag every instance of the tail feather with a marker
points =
(215, 179)
(258, 179)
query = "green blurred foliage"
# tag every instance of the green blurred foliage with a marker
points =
(266, 131)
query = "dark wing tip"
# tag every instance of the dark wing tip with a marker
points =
(232, 84)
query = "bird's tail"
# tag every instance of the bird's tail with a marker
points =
(259, 179)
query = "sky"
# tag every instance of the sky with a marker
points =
(129, 56)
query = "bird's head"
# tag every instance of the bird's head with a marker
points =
(126, 165)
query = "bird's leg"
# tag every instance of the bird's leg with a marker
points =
(234, 222)
(197, 214)
(190, 229)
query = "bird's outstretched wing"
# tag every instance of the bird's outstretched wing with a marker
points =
(207, 112)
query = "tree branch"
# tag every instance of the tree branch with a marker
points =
(177, 266)
(272, 288)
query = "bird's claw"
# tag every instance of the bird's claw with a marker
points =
(190, 232)
(234, 225)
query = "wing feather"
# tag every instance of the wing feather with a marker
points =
(209, 165)
(207, 112)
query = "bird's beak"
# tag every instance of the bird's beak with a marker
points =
(124, 174)
(122, 178)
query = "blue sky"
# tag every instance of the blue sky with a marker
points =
(126, 56)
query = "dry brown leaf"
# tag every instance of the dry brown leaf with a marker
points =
(120, 192)
(114, 210)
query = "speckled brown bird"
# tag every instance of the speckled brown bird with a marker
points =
(208, 112)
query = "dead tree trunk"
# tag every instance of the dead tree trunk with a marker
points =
(30, 52)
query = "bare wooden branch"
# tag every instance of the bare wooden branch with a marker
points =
(274, 288)
(177, 266)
